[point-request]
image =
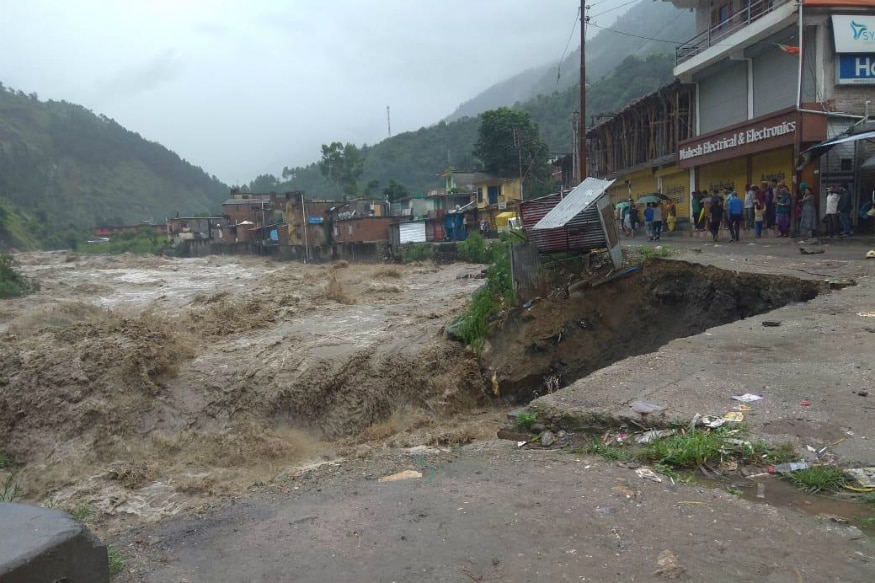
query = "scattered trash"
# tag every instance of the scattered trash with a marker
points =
(528, 304)
(833, 518)
(865, 477)
(761, 489)
(712, 421)
(548, 439)
(668, 565)
(648, 474)
(810, 251)
(811, 449)
(870, 254)
(866, 314)
(789, 467)
(746, 398)
(863, 393)
(496, 388)
(521, 443)
(771, 323)
(805, 403)
(405, 475)
(743, 408)
(645, 407)
(652, 435)
(734, 417)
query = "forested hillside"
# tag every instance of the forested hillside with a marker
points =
(64, 170)
(604, 52)
(416, 158)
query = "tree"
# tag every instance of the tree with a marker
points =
(264, 183)
(343, 164)
(509, 145)
(395, 191)
(371, 189)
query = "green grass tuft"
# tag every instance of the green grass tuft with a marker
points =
(689, 450)
(9, 490)
(116, 560)
(819, 479)
(653, 252)
(525, 420)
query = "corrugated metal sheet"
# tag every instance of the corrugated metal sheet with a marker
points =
(582, 233)
(583, 196)
(413, 232)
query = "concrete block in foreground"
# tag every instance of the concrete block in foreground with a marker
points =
(39, 544)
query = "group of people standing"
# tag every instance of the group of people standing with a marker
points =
(629, 217)
(765, 208)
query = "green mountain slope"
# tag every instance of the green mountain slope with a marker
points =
(71, 170)
(604, 52)
(415, 158)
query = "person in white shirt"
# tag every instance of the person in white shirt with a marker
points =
(832, 211)
(749, 196)
(656, 226)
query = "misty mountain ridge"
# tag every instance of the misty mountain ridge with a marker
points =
(64, 169)
(604, 52)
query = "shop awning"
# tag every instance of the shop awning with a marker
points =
(501, 219)
(818, 150)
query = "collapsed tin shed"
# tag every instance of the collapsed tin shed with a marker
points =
(580, 222)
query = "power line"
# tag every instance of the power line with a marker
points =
(658, 40)
(567, 44)
(612, 9)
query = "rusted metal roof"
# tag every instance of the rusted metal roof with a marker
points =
(577, 201)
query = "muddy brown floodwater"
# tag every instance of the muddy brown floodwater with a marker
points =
(142, 386)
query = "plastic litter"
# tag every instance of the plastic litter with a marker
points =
(734, 417)
(746, 398)
(865, 477)
(866, 314)
(805, 403)
(652, 435)
(712, 421)
(648, 474)
(405, 475)
(789, 467)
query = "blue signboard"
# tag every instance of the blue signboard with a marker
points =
(856, 69)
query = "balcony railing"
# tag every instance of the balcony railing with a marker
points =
(733, 23)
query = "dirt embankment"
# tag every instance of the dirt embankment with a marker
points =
(557, 341)
(203, 375)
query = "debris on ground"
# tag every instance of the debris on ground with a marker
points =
(405, 475)
(747, 398)
(771, 323)
(805, 251)
(668, 565)
(548, 438)
(652, 435)
(648, 474)
(789, 467)
(864, 477)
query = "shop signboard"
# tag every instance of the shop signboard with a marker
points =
(854, 33)
(758, 135)
(856, 69)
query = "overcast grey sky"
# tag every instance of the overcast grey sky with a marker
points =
(243, 88)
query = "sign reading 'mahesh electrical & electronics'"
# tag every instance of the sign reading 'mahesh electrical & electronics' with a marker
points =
(755, 136)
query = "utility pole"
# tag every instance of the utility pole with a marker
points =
(518, 142)
(575, 156)
(389, 121)
(582, 131)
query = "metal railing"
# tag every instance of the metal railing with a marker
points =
(732, 23)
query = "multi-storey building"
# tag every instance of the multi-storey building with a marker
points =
(770, 80)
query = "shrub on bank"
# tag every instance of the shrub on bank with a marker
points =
(12, 283)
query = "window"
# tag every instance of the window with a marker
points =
(480, 195)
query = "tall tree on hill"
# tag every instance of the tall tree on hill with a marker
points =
(509, 145)
(343, 164)
(395, 191)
